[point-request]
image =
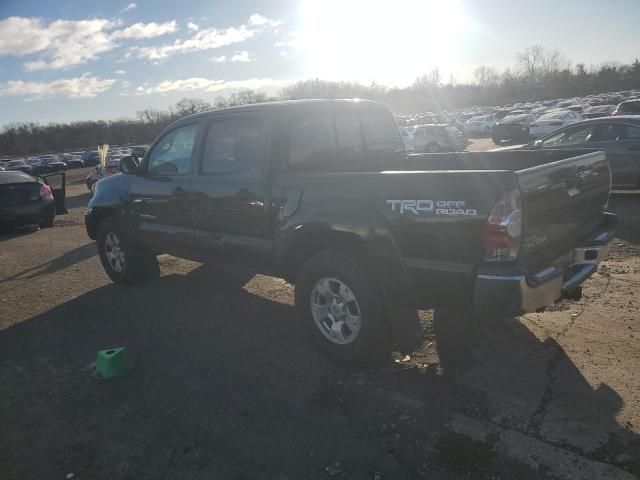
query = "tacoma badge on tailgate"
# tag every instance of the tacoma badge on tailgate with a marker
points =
(437, 207)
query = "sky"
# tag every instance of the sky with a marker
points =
(68, 60)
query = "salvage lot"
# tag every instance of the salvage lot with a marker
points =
(226, 386)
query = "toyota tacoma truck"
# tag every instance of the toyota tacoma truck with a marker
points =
(322, 194)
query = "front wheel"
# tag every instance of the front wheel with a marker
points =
(122, 260)
(341, 305)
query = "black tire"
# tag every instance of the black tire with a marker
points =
(137, 266)
(47, 223)
(372, 342)
(432, 147)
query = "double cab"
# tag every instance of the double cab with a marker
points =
(323, 194)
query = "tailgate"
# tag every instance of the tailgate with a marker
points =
(562, 203)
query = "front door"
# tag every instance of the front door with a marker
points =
(227, 198)
(159, 193)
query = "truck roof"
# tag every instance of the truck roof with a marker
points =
(256, 107)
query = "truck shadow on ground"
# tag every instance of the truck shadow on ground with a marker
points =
(226, 385)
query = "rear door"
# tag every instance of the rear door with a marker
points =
(227, 198)
(57, 183)
(621, 142)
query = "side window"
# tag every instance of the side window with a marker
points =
(571, 136)
(234, 145)
(380, 131)
(311, 139)
(348, 133)
(630, 132)
(172, 154)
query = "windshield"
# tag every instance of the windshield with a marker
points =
(553, 115)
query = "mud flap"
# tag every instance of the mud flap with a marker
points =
(57, 183)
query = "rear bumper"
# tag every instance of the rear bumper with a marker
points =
(516, 292)
(31, 213)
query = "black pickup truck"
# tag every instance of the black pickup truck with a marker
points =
(321, 193)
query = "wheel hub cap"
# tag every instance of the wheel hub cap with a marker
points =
(335, 310)
(113, 252)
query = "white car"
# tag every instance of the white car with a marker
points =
(551, 121)
(480, 125)
(407, 139)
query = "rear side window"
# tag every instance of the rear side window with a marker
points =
(234, 145)
(311, 139)
(380, 131)
(348, 134)
(630, 132)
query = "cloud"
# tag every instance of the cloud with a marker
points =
(131, 6)
(257, 20)
(220, 59)
(85, 86)
(120, 72)
(241, 56)
(205, 84)
(146, 30)
(65, 43)
(207, 39)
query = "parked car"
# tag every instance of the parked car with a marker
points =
(480, 125)
(75, 161)
(48, 164)
(599, 111)
(26, 200)
(513, 128)
(91, 157)
(438, 138)
(19, 165)
(552, 121)
(138, 150)
(630, 107)
(619, 137)
(366, 232)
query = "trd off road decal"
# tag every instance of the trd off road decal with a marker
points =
(452, 208)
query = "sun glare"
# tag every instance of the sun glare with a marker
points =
(384, 41)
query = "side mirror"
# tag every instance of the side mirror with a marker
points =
(129, 165)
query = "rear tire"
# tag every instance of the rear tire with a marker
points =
(124, 261)
(334, 280)
(48, 223)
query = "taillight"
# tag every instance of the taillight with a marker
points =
(45, 192)
(503, 229)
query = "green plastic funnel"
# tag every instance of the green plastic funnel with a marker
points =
(112, 363)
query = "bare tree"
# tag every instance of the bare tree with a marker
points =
(531, 62)
(486, 76)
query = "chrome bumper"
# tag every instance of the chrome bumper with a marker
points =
(514, 294)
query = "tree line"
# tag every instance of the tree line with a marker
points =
(538, 74)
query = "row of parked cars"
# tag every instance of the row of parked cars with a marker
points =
(58, 162)
(565, 124)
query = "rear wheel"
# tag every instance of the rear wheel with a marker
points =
(342, 308)
(47, 223)
(121, 258)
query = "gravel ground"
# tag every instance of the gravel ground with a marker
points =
(227, 386)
